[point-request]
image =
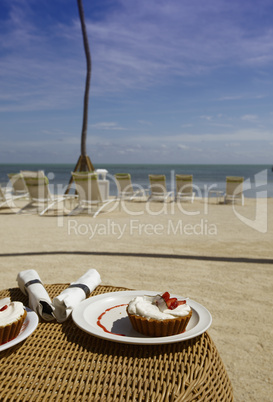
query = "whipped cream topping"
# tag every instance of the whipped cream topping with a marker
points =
(144, 307)
(10, 314)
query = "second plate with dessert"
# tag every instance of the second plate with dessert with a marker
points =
(105, 316)
(30, 324)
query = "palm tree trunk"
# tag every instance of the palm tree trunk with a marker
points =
(88, 79)
(84, 163)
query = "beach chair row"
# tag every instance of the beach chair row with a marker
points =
(34, 187)
(184, 190)
(157, 190)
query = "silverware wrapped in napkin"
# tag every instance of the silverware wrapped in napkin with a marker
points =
(69, 298)
(39, 301)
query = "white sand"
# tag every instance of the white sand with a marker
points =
(210, 255)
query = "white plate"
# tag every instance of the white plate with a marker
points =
(29, 325)
(112, 308)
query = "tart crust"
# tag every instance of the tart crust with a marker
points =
(11, 331)
(153, 327)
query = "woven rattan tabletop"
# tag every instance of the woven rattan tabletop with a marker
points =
(60, 362)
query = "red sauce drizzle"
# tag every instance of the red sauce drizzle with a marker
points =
(102, 314)
(4, 307)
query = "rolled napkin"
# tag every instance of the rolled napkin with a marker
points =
(31, 285)
(69, 298)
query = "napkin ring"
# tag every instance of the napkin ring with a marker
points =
(81, 286)
(32, 282)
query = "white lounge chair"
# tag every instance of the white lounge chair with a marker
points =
(32, 173)
(6, 198)
(234, 189)
(89, 193)
(158, 189)
(184, 188)
(125, 187)
(18, 184)
(41, 199)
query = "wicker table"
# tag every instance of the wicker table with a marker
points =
(60, 362)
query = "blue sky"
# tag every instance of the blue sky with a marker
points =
(173, 81)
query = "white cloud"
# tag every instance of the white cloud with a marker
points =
(209, 118)
(241, 97)
(232, 145)
(107, 126)
(182, 146)
(244, 135)
(249, 117)
(145, 123)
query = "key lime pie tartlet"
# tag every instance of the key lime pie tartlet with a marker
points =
(12, 317)
(159, 315)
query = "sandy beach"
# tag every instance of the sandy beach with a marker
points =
(218, 255)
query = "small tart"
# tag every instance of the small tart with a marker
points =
(153, 327)
(12, 317)
(151, 318)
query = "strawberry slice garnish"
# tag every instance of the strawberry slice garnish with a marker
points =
(166, 296)
(172, 303)
(180, 302)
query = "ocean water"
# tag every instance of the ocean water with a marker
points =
(258, 178)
